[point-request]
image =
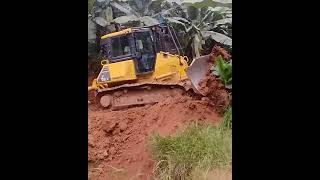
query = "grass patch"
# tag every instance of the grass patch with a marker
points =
(196, 148)
(227, 118)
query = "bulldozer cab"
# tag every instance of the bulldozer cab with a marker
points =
(137, 45)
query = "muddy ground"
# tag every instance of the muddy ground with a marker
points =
(117, 140)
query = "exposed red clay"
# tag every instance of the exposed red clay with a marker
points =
(118, 138)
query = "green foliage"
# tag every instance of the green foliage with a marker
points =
(197, 147)
(223, 69)
(197, 21)
(210, 3)
(143, 11)
(201, 21)
(227, 118)
(193, 12)
(90, 5)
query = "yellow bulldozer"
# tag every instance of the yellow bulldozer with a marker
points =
(139, 62)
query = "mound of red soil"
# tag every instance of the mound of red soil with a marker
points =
(214, 91)
(217, 51)
(118, 138)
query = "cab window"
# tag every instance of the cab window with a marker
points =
(120, 46)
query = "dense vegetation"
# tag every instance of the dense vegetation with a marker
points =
(199, 24)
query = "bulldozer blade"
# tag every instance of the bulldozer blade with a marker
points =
(197, 71)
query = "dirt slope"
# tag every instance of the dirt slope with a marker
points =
(117, 139)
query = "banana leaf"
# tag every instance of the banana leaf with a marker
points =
(178, 2)
(109, 14)
(177, 22)
(218, 37)
(149, 21)
(146, 20)
(123, 7)
(223, 70)
(126, 19)
(92, 30)
(207, 3)
(101, 21)
(223, 21)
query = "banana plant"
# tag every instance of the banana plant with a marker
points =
(100, 15)
(223, 70)
(92, 36)
(145, 12)
(92, 30)
(195, 22)
(203, 20)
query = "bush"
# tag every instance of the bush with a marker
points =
(223, 69)
(197, 147)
